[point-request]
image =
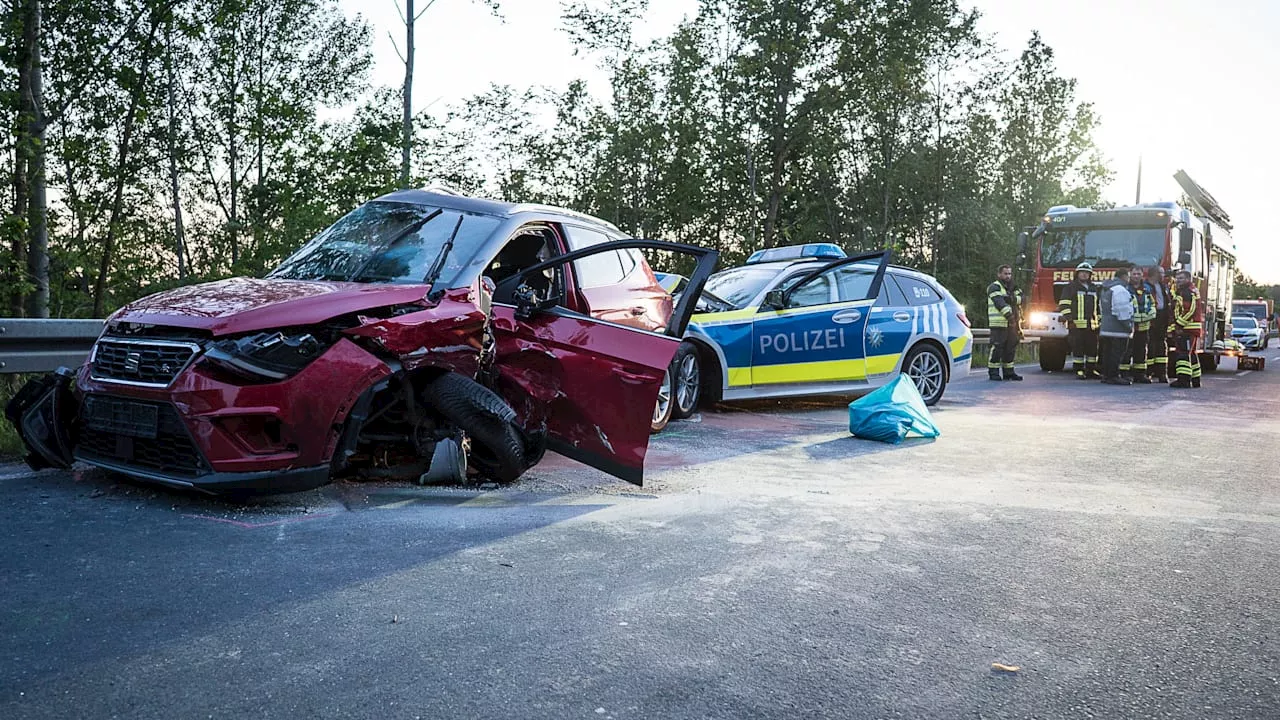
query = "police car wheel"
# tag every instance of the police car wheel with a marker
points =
(687, 379)
(927, 369)
(664, 406)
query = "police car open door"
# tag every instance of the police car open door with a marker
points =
(810, 330)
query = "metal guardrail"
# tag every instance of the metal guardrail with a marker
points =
(985, 333)
(32, 345)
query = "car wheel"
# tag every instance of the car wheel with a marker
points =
(1053, 355)
(665, 405)
(687, 380)
(497, 445)
(927, 368)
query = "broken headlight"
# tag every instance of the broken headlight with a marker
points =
(268, 356)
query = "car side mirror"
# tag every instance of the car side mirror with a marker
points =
(529, 304)
(1184, 259)
(1186, 240)
(775, 299)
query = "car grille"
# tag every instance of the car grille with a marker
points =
(143, 362)
(137, 434)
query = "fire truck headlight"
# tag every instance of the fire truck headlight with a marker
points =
(1039, 320)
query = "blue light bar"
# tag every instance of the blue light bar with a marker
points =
(816, 251)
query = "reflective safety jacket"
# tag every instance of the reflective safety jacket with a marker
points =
(1188, 311)
(1003, 305)
(1144, 304)
(1079, 305)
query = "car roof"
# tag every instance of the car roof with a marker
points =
(453, 200)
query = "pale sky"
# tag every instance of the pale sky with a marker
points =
(1181, 85)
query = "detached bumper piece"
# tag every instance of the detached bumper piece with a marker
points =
(44, 413)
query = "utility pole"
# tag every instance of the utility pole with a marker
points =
(1137, 200)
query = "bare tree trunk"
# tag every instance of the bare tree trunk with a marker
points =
(233, 149)
(406, 131)
(122, 172)
(21, 188)
(179, 237)
(37, 212)
(259, 132)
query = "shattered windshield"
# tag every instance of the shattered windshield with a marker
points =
(1107, 247)
(389, 242)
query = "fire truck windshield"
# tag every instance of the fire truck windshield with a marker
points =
(1105, 247)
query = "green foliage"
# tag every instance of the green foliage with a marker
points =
(870, 123)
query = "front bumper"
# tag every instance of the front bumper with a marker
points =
(1045, 325)
(203, 431)
(1250, 343)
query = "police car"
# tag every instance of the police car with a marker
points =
(810, 320)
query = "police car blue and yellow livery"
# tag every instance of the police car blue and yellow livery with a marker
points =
(806, 321)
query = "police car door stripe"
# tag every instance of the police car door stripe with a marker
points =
(915, 321)
(937, 313)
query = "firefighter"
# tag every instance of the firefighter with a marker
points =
(1004, 302)
(1157, 335)
(1188, 320)
(1116, 308)
(1144, 310)
(1079, 309)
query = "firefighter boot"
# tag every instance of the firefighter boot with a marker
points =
(1140, 377)
(1011, 374)
(993, 373)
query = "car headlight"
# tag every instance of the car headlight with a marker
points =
(1040, 319)
(267, 356)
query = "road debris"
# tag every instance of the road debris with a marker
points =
(1005, 668)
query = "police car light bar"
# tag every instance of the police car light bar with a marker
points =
(816, 251)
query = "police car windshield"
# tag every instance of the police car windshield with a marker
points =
(1244, 323)
(1107, 247)
(739, 286)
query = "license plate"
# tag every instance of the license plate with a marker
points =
(121, 417)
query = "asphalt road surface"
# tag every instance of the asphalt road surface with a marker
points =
(1120, 547)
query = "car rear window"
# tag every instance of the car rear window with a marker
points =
(918, 292)
(601, 269)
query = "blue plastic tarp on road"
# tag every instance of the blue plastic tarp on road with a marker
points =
(889, 413)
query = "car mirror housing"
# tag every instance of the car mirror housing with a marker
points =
(775, 299)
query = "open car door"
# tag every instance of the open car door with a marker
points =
(592, 384)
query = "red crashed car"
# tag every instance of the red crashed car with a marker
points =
(423, 334)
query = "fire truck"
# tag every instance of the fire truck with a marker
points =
(1155, 233)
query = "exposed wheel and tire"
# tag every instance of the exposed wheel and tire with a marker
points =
(1053, 355)
(687, 381)
(665, 405)
(927, 368)
(497, 445)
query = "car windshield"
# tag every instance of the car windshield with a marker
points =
(1257, 311)
(1244, 323)
(1107, 247)
(738, 286)
(390, 242)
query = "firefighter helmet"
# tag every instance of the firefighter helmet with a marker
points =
(1085, 267)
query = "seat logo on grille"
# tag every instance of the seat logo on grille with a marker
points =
(133, 362)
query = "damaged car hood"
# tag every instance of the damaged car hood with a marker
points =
(242, 304)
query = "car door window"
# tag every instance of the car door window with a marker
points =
(918, 292)
(595, 270)
(853, 282)
(890, 294)
(815, 292)
(528, 247)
